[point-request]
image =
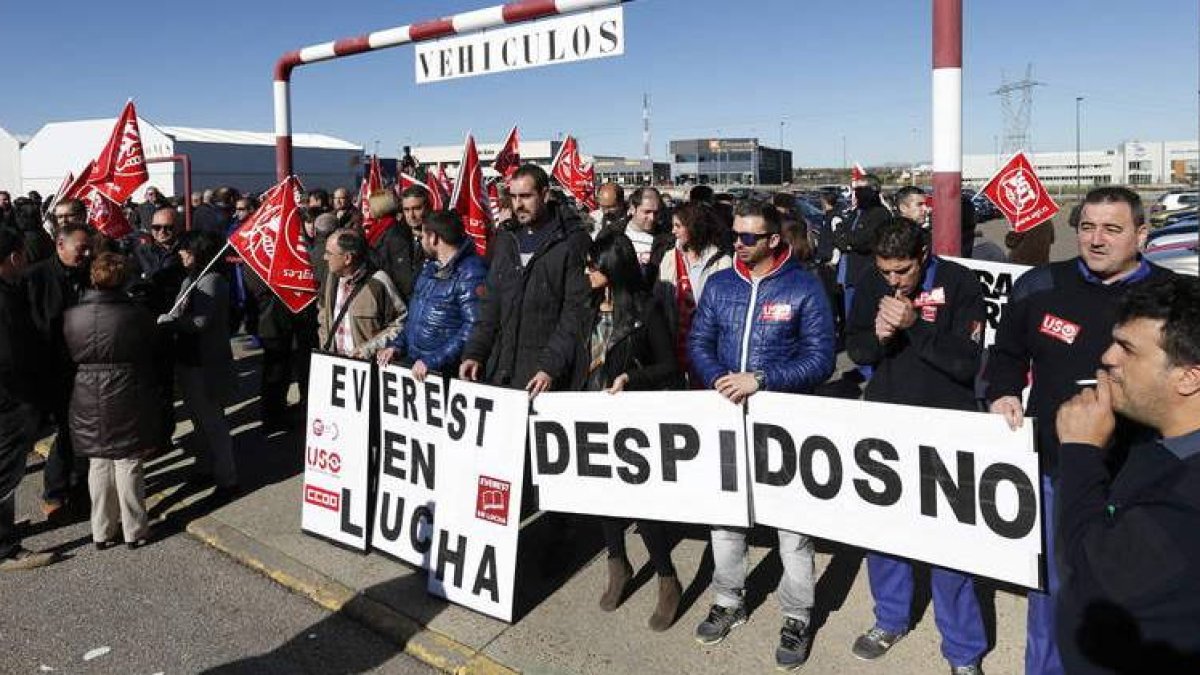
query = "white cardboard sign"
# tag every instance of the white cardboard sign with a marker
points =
(955, 489)
(676, 456)
(336, 464)
(997, 280)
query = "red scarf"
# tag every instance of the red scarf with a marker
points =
(685, 307)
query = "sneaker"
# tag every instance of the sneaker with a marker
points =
(874, 643)
(24, 559)
(720, 621)
(972, 669)
(795, 641)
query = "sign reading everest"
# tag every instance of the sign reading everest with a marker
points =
(1020, 196)
(575, 37)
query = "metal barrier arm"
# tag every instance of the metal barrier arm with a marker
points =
(458, 24)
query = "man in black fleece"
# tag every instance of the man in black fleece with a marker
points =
(918, 321)
(1057, 323)
(1130, 545)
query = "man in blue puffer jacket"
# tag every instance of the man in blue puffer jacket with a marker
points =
(445, 300)
(764, 325)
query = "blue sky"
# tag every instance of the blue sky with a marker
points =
(826, 68)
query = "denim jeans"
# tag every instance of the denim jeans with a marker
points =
(796, 588)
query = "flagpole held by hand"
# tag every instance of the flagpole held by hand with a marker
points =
(183, 296)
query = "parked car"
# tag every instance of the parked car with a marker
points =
(1174, 201)
(1180, 218)
(1183, 260)
(1183, 237)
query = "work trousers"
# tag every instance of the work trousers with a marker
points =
(654, 534)
(955, 607)
(214, 445)
(1041, 648)
(796, 588)
(118, 488)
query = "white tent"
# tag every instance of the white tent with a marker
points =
(241, 159)
(10, 163)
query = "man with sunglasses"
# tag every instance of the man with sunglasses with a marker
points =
(918, 320)
(763, 325)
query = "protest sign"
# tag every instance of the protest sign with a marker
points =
(997, 280)
(676, 456)
(335, 450)
(958, 489)
(474, 557)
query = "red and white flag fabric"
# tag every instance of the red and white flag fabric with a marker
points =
(442, 182)
(570, 173)
(508, 160)
(588, 175)
(470, 198)
(493, 195)
(104, 214)
(1020, 195)
(78, 187)
(373, 228)
(271, 242)
(121, 166)
(857, 173)
(66, 184)
(437, 201)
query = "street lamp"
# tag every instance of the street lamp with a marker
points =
(1078, 176)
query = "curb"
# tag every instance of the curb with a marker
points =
(420, 642)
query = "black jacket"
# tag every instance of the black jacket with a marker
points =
(856, 236)
(275, 321)
(20, 349)
(643, 349)
(934, 362)
(535, 317)
(393, 254)
(1129, 555)
(52, 289)
(1056, 325)
(157, 276)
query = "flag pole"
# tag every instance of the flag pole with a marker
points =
(183, 296)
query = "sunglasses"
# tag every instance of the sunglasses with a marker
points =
(161, 228)
(751, 238)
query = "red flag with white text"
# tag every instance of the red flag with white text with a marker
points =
(373, 228)
(121, 165)
(508, 160)
(857, 172)
(436, 201)
(569, 171)
(442, 182)
(470, 198)
(271, 242)
(78, 187)
(104, 214)
(1020, 195)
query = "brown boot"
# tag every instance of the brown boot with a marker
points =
(619, 573)
(669, 594)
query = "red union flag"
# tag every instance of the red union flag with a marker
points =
(437, 201)
(1020, 196)
(470, 198)
(79, 184)
(121, 165)
(570, 173)
(508, 160)
(857, 172)
(104, 214)
(373, 228)
(442, 182)
(271, 243)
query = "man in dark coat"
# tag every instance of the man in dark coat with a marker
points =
(856, 233)
(1129, 555)
(19, 359)
(144, 214)
(54, 285)
(533, 320)
(392, 250)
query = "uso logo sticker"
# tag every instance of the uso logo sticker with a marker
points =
(776, 311)
(1059, 329)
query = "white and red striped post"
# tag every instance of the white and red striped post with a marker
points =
(947, 127)
(467, 22)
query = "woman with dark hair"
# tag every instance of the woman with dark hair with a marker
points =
(203, 359)
(110, 340)
(630, 349)
(699, 253)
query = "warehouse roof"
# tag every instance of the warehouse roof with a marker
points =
(100, 128)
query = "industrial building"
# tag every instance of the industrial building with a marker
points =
(728, 161)
(242, 159)
(1130, 163)
(632, 172)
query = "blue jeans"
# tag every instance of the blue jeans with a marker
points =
(1041, 649)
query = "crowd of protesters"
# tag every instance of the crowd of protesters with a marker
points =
(643, 294)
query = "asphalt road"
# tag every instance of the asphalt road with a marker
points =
(175, 606)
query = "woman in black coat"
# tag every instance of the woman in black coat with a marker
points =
(110, 340)
(629, 348)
